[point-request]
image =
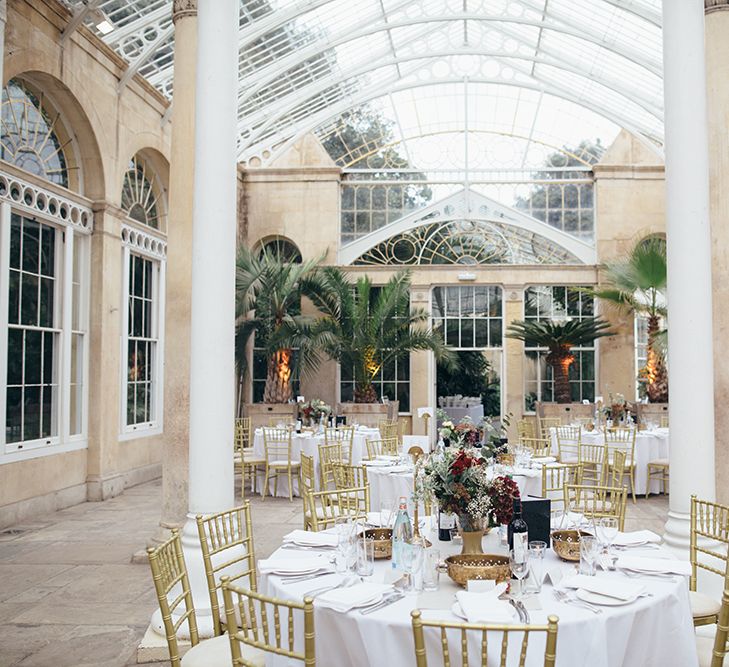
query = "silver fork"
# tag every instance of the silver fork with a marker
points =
(345, 583)
(514, 604)
(563, 596)
(390, 599)
(297, 579)
(639, 575)
(527, 620)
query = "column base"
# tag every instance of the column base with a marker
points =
(677, 534)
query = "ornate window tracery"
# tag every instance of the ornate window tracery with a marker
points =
(141, 194)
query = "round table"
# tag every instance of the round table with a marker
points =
(649, 446)
(656, 630)
(388, 483)
(308, 443)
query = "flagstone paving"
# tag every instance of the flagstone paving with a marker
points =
(70, 595)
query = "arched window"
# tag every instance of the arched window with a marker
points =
(141, 196)
(282, 248)
(32, 134)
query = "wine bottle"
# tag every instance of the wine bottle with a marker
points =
(446, 522)
(518, 533)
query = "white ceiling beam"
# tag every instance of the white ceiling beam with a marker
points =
(644, 13)
(78, 17)
(143, 57)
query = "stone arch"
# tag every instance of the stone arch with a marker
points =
(159, 171)
(87, 153)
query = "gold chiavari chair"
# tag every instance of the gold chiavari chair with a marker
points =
(712, 653)
(347, 476)
(385, 447)
(539, 447)
(664, 421)
(226, 540)
(459, 633)
(173, 591)
(593, 461)
(568, 443)
(344, 436)
(657, 469)
(328, 456)
(277, 444)
(389, 429)
(709, 528)
(245, 458)
(326, 506)
(554, 478)
(623, 439)
(615, 472)
(526, 428)
(545, 423)
(256, 633)
(308, 485)
(596, 502)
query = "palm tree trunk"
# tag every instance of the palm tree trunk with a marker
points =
(278, 378)
(657, 386)
(560, 363)
(365, 393)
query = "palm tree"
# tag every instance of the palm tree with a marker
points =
(268, 305)
(559, 337)
(365, 327)
(637, 285)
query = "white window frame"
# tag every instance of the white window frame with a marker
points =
(72, 220)
(150, 247)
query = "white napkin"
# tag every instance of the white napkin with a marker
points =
(621, 590)
(666, 565)
(376, 463)
(636, 538)
(348, 598)
(569, 522)
(398, 469)
(544, 459)
(390, 458)
(528, 472)
(292, 566)
(308, 539)
(485, 608)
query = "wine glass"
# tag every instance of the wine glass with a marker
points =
(411, 556)
(607, 530)
(519, 564)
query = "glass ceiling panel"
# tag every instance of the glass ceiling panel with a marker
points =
(304, 62)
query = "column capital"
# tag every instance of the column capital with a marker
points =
(182, 8)
(715, 6)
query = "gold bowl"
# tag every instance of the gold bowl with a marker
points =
(566, 544)
(464, 567)
(382, 538)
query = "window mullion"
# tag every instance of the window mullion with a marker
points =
(64, 384)
(124, 339)
(4, 299)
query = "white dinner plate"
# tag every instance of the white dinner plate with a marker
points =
(602, 600)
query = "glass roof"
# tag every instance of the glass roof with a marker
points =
(548, 72)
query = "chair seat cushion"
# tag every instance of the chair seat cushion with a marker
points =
(704, 648)
(658, 462)
(284, 464)
(703, 605)
(215, 652)
(250, 459)
(333, 511)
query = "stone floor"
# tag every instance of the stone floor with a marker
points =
(71, 597)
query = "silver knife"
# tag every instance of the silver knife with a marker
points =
(384, 603)
(512, 602)
(524, 611)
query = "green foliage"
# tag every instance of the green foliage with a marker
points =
(473, 376)
(558, 334)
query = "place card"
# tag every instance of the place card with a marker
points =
(532, 603)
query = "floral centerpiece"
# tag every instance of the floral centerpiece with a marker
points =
(464, 433)
(315, 409)
(617, 407)
(462, 484)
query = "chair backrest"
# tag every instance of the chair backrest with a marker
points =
(226, 539)
(347, 476)
(545, 423)
(621, 439)
(593, 461)
(616, 468)
(384, 447)
(710, 521)
(721, 648)
(664, 421)
(454, 636)
(328, 456)
(389, 429)
(169, 572)
(595, 501)
(554, 478)
(537, 446)
(308, 473)
(342, 434)
(242, 431)
(526, 428)
(326, 506)
(277, 444)
(568, 441)
(257, 614)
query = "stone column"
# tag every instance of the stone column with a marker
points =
(212, 363)
(512, 383)
(422, 372)
(688, 234)
(717, 83)
(179, 282)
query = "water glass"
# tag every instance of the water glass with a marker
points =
(365, 557)
(589, 550)
(519, 564)
(537, 549)
(456, 537)
(412, 561)
(387, 513)
(431, 571)
(607, 529)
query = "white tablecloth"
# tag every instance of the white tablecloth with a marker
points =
(386, 485)
(309, 443)
(654, 631)
(649, 445)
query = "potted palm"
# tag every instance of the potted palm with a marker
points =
(637, 285)
(365, 327)
(559, 337)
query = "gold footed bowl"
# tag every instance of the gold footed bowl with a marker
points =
(464, 567)
(566, 544)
